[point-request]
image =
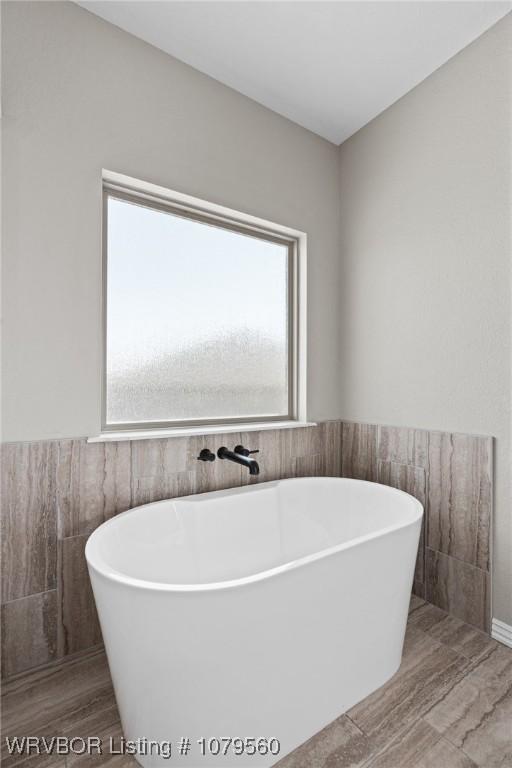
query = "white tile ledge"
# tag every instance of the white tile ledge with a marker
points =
(502, 632)
(152, 434)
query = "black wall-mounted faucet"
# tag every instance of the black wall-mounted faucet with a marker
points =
(206, 455)
(240, 456)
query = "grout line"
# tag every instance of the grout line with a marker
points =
(458, 560)
(32, 594)
(361, 731)
(445, 737)
(54, 666)
(397, 737)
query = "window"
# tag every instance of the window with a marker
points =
(201, 315)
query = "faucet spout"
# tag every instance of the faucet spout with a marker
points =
(239, 458)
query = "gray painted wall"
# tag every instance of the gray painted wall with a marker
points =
(425, 302)
(81, 95)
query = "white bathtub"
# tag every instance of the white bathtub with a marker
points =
(260, 612)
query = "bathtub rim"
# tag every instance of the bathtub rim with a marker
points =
(96, 563)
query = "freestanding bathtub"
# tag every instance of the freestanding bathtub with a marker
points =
(257, 614)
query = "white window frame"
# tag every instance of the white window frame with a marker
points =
(127, 188)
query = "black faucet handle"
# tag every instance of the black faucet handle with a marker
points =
(206, 455)
(245, 451)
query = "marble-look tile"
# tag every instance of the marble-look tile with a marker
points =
(458, 588)
(456, 634)
(412, 480)
(414, 643)
(118, 761)
(309, 466)
(274, 462)
(419, 589)
(302, 441)
(37, 701)
(103, 722)
(286, 452)
(269, 456)
(29, 632)
(403, 445)
(303, 451)
(340, 745)
(496, 660)
(111, 735)
(29, 519)
(434, 713)
(330, 434)
(460, 496)
(427, 673)
(424, 616)
(96, 715)
(444, 755)
(162, 456)
(34, 761)
(93, 484)
(148, 489)
(108, 760)
(79, 626)
(415, 603)
(77, 723)
(74, 699)
(420, 745)
(405, 478)
(359, 451)
(414, 646)
(476, 716)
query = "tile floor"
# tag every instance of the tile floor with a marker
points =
(448, 706)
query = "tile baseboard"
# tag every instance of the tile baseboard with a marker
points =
(502, 632)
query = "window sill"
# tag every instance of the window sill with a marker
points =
(152, 434)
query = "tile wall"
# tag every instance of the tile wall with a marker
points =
(55, 493)
(451, 474)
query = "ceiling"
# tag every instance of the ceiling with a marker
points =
(328, 66)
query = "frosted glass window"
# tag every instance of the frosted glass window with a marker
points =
(197, 319)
